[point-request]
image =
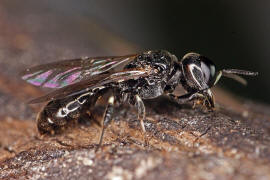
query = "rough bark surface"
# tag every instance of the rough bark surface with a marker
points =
(184, 143)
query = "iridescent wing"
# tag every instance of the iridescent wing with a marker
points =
(66, 72)
(102, 80)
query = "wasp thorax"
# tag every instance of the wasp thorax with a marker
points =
(199, 71)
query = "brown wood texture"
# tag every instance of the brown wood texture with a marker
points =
(184, 143)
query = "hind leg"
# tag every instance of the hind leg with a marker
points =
(87, 118)
(107, 117)
(87, 115)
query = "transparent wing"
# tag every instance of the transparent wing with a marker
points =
(66, 72)
(102, 80)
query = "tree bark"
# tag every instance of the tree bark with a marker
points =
(184, 143)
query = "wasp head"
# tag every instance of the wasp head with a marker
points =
(200, 74)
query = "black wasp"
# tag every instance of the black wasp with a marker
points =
(79, 83)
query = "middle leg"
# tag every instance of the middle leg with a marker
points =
(141, 118)
(141, 111)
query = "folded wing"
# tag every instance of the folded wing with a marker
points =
(62, 73)
(95, 82)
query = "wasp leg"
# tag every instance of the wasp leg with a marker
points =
(107, 117)
(210, 100)
(141, 111)
(86, 117)
(198, 102)
(186, 97)
(141, 117)
(203, 98)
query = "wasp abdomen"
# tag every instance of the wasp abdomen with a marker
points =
(58, 113)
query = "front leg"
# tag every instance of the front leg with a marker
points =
(186, 97)
(206, 97)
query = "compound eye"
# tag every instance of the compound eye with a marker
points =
(200, 72)
(209, 70)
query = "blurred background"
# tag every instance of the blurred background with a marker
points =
(234, 34)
